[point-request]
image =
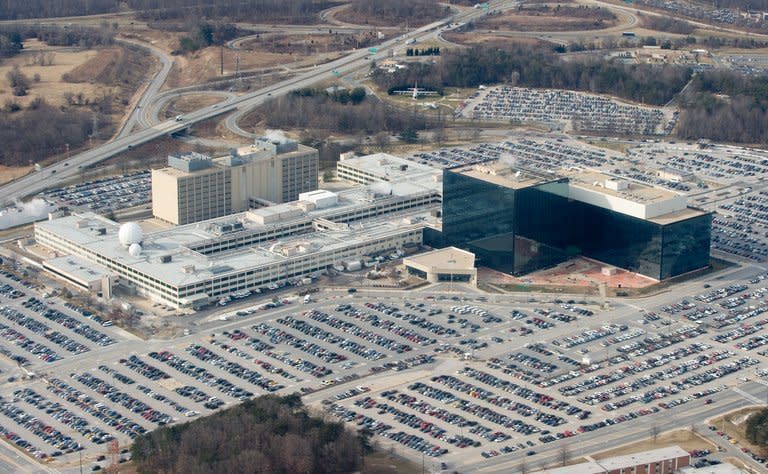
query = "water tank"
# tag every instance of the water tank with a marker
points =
(130, 233)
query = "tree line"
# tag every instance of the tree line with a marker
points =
(399, 11)
(15, 10)
(725, 106)
(431, 51)
(340, 95)
(756, 429)
(539, 66)
(12, 37)
(204, 34)
(667, 24)
(299, 11)
(11, 44)
(268, 434)
(40, 130)
(261, 11)
(325, 113)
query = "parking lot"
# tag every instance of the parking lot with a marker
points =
(103, 195)
(579, 111)
(460, 380)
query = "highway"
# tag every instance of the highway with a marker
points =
(150, 91)
(70, 168)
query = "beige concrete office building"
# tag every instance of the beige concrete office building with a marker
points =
(195, 187)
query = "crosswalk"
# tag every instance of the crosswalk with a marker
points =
(748, 396)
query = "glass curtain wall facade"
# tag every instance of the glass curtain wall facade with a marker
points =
(521, 230)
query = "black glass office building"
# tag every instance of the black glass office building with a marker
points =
(520, 227)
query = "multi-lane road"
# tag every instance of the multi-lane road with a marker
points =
(50, 176)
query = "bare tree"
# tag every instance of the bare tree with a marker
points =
(382, 140)
(565, 454)
(18, 81)
(654, 432)
(523, 467)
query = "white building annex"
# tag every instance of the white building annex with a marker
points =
(196, 264)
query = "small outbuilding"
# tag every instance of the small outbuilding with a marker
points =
(448, 264)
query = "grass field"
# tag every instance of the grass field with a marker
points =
(51, 87)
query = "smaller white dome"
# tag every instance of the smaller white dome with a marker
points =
(134, 250)
(130, 233)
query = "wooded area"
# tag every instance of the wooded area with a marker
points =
(295, 11)
(538, 66)
(255, 11)
(725, 106)
(39, 131)
(13, 36)
(268, 434)
(757, 428)
(321, 112)
(667, 24)
(394, 12)
(16, 10)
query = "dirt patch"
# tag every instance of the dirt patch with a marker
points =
(381, 462)
(547, 18)
(683, 438)
(9, 173)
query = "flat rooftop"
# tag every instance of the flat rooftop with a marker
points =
(176, 242)
(171, 171)
(186, 266)
(619, 462)
(78, 268)
(644, 457)
(449, 258)
(678, 216)
(387, 167)
(505, 174)
(581, 468)
(636, 191)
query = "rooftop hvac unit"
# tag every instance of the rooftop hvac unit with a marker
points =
(165, 259)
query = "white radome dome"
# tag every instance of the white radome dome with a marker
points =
(134, 250)
(130, 233)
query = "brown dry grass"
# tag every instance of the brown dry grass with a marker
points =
(205, 64)
(8, 174)
(96, 67)
(546, 23)
(683, 438)
(50, 87)
(305, 45)
(189, 103)
(475, 38)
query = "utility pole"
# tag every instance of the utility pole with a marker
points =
(221, 59)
